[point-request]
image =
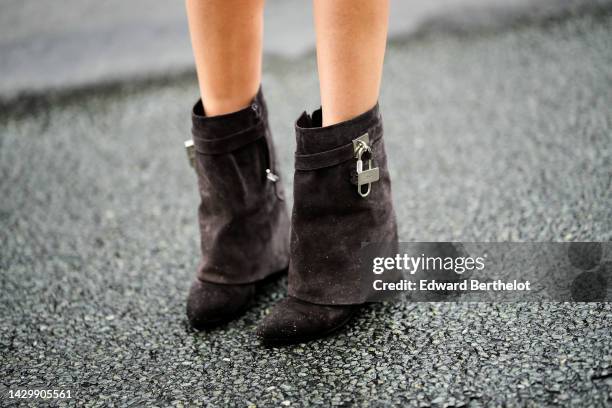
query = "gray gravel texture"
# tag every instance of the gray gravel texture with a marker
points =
(490, 137)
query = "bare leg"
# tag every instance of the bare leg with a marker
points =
(351, 39)
(226, 36)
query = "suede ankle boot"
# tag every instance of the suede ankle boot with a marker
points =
(342, 200)
(244, 226)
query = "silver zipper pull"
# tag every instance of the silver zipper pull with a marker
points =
(271, 176)
(255, 107)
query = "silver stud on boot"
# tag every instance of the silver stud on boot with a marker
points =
(190, 148)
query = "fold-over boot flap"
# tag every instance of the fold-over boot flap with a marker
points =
(243, 223)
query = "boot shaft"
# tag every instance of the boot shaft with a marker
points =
(342, 200)
(242, 216)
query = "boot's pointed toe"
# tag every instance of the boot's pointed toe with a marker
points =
(294, 321)
(210, 304)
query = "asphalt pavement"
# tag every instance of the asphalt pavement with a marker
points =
(491, 137)
(69, 44)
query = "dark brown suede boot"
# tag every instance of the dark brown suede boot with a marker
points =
(244, 226)
(342, 199)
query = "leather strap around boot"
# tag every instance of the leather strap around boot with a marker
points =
(229, 143)
(333, 157)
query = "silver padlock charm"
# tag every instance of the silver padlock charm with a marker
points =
(361, 145)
